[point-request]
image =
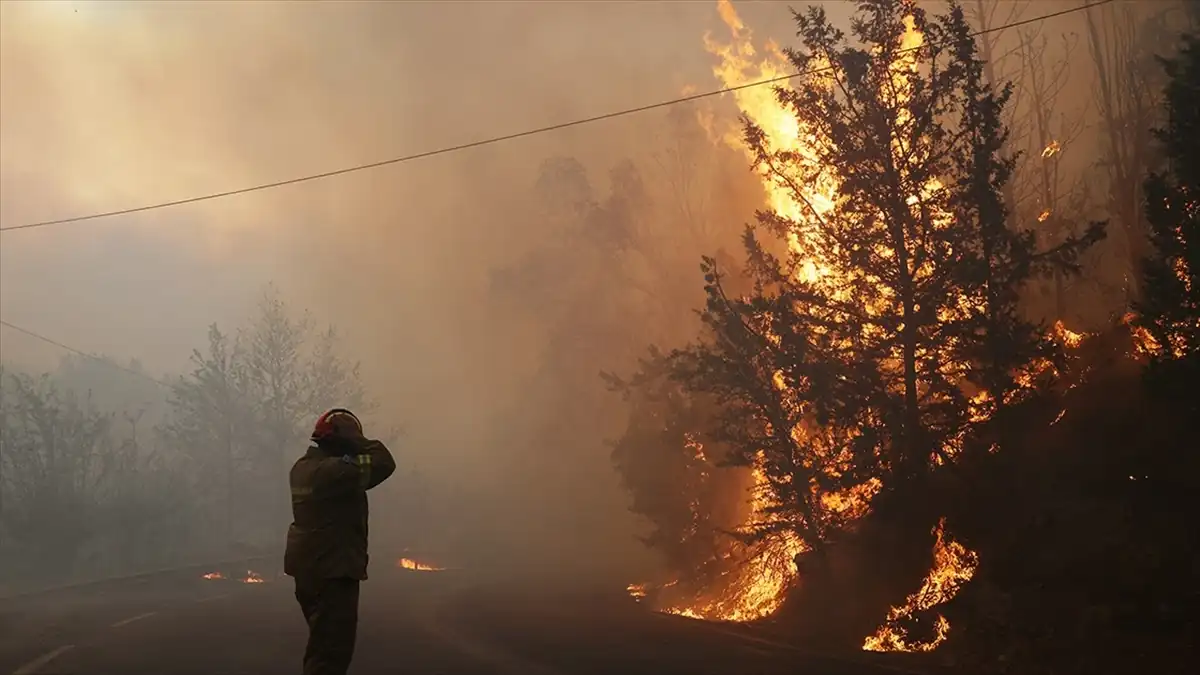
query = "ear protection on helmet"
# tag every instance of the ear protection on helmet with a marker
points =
(325, 428)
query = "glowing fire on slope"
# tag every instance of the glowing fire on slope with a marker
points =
(213, 576)
(253, 577)
(410, 564)
(953, 566)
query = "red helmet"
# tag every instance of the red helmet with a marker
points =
(337, 423)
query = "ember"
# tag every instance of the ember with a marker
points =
(213, 575)
(253, 577)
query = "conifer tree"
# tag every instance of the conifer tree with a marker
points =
(882, 330)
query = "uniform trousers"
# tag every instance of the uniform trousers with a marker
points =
(330, 607)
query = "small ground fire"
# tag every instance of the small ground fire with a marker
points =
(953, 567)
(410, 564)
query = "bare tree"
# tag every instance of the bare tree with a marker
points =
(242, 414)
(208, 425)
(1122, 41)
(1057, 203)
(291, 374)
(990, 18)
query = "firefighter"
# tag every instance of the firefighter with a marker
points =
(327, 541)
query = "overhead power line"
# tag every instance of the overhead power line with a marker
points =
(93, 357)
(508, 137)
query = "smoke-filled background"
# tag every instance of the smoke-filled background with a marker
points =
(482, 291)
(108, 105)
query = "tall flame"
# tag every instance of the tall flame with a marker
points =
(741, 64)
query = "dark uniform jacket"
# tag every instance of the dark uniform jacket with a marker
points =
(328, 535)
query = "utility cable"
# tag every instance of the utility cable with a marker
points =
(79, 352)
(513, 136)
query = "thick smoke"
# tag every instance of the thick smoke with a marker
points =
(113, 104)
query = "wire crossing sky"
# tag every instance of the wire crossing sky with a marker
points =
(498, 139)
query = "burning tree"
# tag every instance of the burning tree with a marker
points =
(1170, 308)
(880, 334)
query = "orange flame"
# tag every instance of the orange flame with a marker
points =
(953, 566)
(410, 564)
(253, 577)
(213, 575)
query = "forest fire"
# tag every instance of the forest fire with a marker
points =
(253, 577)
(410, 564)
(870, 346)
(213, 576)
(953, 566)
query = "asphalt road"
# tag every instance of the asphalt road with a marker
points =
(410, 622)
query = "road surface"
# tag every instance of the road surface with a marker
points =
(411, 622)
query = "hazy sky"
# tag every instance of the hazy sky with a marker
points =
(107, 105)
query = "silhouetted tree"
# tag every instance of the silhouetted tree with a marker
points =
(1050, 203)
(81, 494)
(209, 423)
(291, 375)
(55, 450)
(1122, 40)
(1170, 306)
(675, 480)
